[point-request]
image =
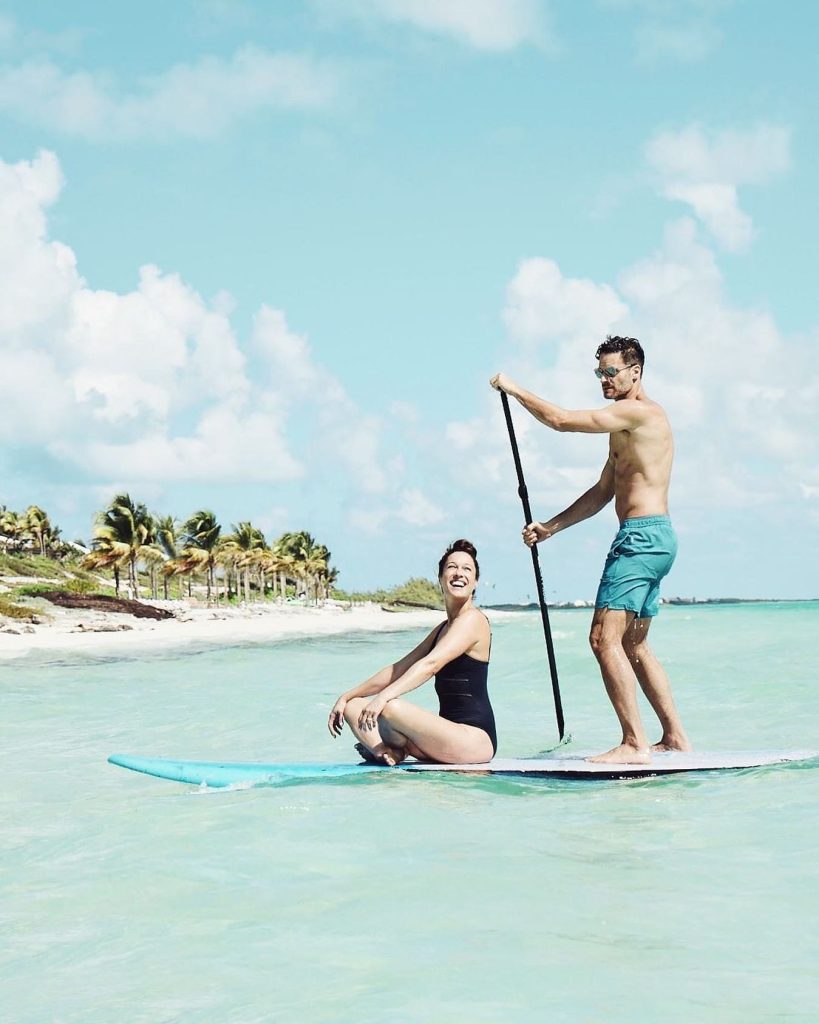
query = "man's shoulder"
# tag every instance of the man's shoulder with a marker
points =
(638, 409)
(647, 408)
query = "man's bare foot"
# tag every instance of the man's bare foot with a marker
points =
(624, 753)
(676, 741)
(382, 754)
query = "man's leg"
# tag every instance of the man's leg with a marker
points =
(609, 627)
(655, 685)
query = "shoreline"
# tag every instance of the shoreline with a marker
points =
(82, 631)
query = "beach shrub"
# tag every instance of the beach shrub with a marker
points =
(82, 586)
(415, 593)
(10, 610)
(33, 589)
(27, 565)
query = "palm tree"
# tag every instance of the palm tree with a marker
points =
(126, 522)
(280, 566)
(242, 546)
(38, 525)
(108, 555)
(167, 535)
(311, 560)
(330, 577)
(12, 527)
(201, 536)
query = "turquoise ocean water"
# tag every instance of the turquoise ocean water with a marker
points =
(401, 898)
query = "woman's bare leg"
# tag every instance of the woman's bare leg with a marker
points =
(405, 729)
(382, 743)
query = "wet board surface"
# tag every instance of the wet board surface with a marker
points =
(219, 774)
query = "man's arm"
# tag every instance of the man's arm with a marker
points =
(609, 420)
(587, 505)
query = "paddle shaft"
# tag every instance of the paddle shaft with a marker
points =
(544, 614)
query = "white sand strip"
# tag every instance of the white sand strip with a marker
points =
(92, 632)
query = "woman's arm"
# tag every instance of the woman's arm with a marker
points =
(376, 683)
(461, 637)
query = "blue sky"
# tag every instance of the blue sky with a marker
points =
(264, 258)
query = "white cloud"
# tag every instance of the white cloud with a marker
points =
(682, 30)
(417, 510)
(225, 447)
(199, 100)
(686, 43)
(704, 170)
(37, 277)
(543, 305)
(493, 25)
(347, 436)
(741, 395)
(153, 386)
(407, 507)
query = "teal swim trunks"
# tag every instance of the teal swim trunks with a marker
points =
(641, 555)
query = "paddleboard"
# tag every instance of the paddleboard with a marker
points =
(219, 774)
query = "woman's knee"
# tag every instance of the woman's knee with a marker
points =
(353, 709)
(392, 710)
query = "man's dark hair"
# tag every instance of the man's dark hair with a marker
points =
(631, 349)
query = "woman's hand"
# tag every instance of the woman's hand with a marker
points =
(335, 723)
(368, 719)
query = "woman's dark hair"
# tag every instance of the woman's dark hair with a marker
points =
(630, 348)
(468, 549)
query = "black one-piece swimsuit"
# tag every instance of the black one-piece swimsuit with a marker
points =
(462, 694)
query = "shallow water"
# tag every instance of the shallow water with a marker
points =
(398, 898)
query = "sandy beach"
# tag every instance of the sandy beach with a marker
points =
(97, 632)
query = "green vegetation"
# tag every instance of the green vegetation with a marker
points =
(32, 530)
(72, 586)
(415, 593)
(160, 555)
(28, 565)
(139, 550)
(10, 610)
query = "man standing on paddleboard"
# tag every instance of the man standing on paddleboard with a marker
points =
(636, 474)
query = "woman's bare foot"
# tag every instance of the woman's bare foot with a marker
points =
(674, 741)
(624, 753)
(382, 754)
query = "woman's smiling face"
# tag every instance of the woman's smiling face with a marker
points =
(458, 576)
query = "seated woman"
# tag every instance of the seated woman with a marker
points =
(457, 654)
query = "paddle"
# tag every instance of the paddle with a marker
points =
(544, 614)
